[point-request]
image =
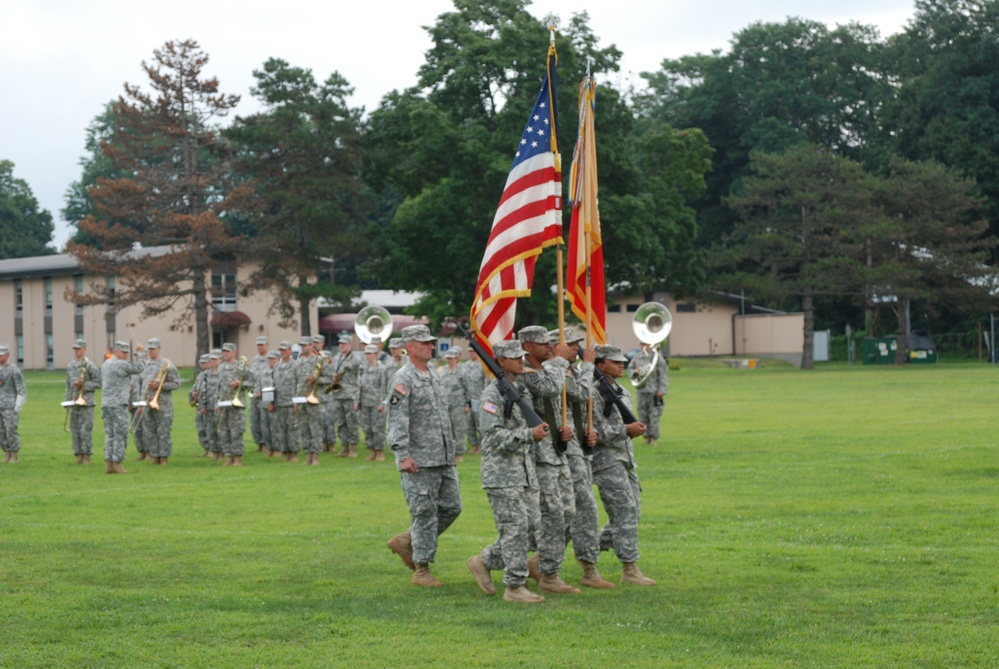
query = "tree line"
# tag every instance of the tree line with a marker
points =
(818, 169)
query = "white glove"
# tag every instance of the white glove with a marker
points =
(19, 403)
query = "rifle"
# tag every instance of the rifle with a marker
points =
(610, 396)
(507, 388)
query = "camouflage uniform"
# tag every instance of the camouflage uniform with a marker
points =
(81, 417)
(584, 529)
(116, 381)
(456, 405)
(283, 435)
(207, 400)
(508, 476)
(473, 378)
(616, 479)
(419, 428)
(345, 419)
(12, 397)
(230, 421)
(256, 408)
(309, 417)
(265, 379)
(556, 495)
(136, 393)
(373, 392)
(156, 424)
(650, 407)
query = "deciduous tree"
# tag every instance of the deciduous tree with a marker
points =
(25, 230)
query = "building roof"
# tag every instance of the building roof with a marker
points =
(60, 263)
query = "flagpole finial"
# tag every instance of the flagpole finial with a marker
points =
(589, 64)
(552, 22)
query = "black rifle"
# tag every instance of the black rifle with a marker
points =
(511, 395)
(611, 395)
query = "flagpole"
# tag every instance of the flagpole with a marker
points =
(589, 295)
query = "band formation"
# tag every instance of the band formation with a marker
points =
(539, 480)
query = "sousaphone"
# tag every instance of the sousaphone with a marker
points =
(373, 323)
(651, 325)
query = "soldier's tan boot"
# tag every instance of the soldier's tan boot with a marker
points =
(522, 594)
(292, 457)
(142, 456)
(79, 459)
(110, 469)
(163, 461)
(119, 468)
(344, 451)
(13, 457)
(533, 570)
(379, 456)
(371, 456)
(273, 454)
(481, 574)
(632, 574)
(402, 546)
(237, 461)
(553, 583)
(155, 460)
(423, 578)
(592, 578)
(86, 459)
(352, 451)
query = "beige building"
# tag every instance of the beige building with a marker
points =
(41, 324)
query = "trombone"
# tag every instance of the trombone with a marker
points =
(153, 403)
(316, 372)
(80, 401)
(651, 325)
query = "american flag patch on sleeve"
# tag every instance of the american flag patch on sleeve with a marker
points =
(401, 389)
(490, 407)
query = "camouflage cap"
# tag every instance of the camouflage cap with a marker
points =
(345, 339)
(79, 343)
(4, 349)
(510, 348)
(610, 353)
(452, 352)
(273, 355)
(537, 334)
(371, 348)
(572, 335)
(284, 345)
(122, 346)
(204, 358)
(318, 339)
(417, 333)
(229, 346)
(154, 342)
(395, 342)
(215, 353)
(305, 340)
(261, 341)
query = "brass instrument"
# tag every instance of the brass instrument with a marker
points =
(79, 401)
(153, 402)
(372, 323)
(311, 397)
(651, 325)
(236, 402)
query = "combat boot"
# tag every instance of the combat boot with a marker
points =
(163, 461)
(423, 578)
(292, 457)
(533, 570)
(481, 574)
(110, 469)
(273, 454)
(344, 451)
(142, 456)
(592, 578)
(237, 461)
(119, 468)
(552, 583)
(402, 546)
(379, 456)
(522, 594)
(79, 459)
(371, 456)
(13, 457)
(155, 460)
(632, 574)
(352, 451)
(86, 459)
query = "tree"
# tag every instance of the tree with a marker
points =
(446, 146)
(97, 164)
(25, 230)
(925, 243)
(303, 156)
(172, 188)
(797, 236)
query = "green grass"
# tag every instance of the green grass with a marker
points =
(844, 517)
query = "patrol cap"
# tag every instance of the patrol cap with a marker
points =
(153, 342)
(572, 335)
(395, 342)
(609, 353)
(371, 348)
(318, 339)
(79, 343)
(537, 334)
(228, 346)
(305, 340)
(452, 352)
(284, 345)
(261, 341)
(203, 358)
(4, 349)
(417, 333)
(345, 339)
(509, 348)
(215, 353)
(122, 346)
(273, 355)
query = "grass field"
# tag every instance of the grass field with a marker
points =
(844, 517)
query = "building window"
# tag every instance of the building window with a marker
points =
(48, 296)
(20, 350)
(78, 287)
(632, 308)
(18, 299)
(686, 308)
(613, 308)
(49, 352)
(224, 290)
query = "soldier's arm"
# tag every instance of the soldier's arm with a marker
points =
(496, 435)
(397, 420)
(93, 378)
(172, 380)
(611, 433)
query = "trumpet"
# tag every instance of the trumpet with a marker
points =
(311, 398)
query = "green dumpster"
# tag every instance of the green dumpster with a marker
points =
(879, 350)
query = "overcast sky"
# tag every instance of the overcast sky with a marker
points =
(62, 60)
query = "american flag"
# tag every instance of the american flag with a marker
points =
(528, 219)
(586, 257)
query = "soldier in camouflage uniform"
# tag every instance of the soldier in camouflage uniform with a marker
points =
(457, 403)
(266, 382)
(373, 393)
(419, 433)
(614, 468)
(82, 375)
(136, 395)
(473, 378)
(256, 408)
(508, 476)
(653, 392)
(346, 365)
(284, 438)
(233, 374)
(545, 377)
(207, 404)
(311, 375)
(116, 379)
(584, 528)
(13, 395)
(398, 357)
(159, 379)
(198, 390)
